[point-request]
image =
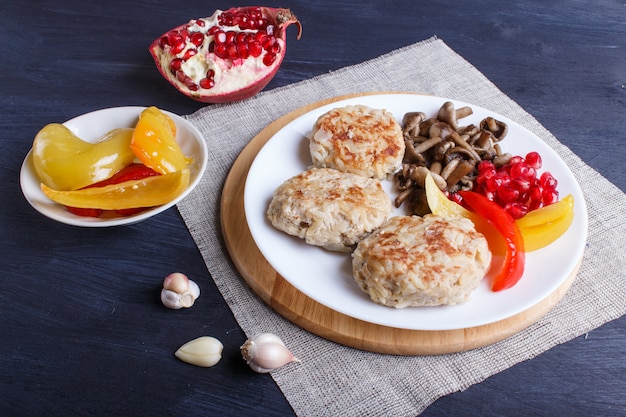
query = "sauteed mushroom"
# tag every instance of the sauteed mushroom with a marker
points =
(449, 151)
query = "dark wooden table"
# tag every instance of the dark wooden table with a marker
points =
(82, 328)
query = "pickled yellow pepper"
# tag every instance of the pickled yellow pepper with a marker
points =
(65, 162)
(146, 192)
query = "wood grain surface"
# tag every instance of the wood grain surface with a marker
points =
(83, 332)
(323, 321)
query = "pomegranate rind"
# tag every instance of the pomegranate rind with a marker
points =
(242, 85)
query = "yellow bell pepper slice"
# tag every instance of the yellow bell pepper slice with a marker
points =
(65, 162)
(154, 142)
(548, 213)
(441, 205)
(545, 225)
(147, 192)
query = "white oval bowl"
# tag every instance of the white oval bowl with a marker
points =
(91, 126)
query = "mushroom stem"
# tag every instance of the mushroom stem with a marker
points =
(464, 112)
(427, 144)
(462, 143)
(462, 169)
(447, 170)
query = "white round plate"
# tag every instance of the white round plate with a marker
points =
(326, 277)
(91, 126)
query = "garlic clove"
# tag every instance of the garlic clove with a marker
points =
(205, 351)
(176, 282)
(266, 352)
(179, 291)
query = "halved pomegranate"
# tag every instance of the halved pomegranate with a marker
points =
(229, 56)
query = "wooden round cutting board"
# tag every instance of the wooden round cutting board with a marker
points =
(325, 322)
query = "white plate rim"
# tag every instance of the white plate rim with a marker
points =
(188, 136)
(298, 126)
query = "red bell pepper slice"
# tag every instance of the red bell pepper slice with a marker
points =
(514, 258)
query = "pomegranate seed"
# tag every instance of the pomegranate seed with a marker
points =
(172, 38)
(213, 30)
(255, 12)
(178, 48)
(519, 170)
(244, 22)
(516, 210)
(484, 176)
(242, 50)
(189, 53)
(507, 194)
(180, 76)
(534, 205)
(547, 180)
(516, 160)
(200, 23)
(498, 180)
(163, 41)
(260, 37)
(176, 64)
(193, 87)
(220, 37)
(230, 36)
(184, 34)
(533, 159)
(535, 192)
(521, 184)
(268, 42)
(197, 38)
(550, 196)
(486, 166)
(221, 51)
(240, 37)
(226, 19)
(275, 49)
(176, 42)
(255, 49)
(269, 59)
(457, 198)
(232, 51)
(207, 83)
(270, 30)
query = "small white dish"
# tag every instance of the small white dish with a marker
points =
(326, 277)
(91, 126)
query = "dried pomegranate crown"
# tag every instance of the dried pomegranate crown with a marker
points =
(229, 56)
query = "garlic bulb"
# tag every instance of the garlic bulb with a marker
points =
(205, 351)
(266, 352)
(179, 291)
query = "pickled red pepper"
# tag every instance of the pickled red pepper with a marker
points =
(131, 172)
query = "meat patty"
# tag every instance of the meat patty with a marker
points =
(329, 208)
(358, 139)
(415, 261)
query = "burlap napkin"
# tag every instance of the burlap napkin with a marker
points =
(334, 380)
